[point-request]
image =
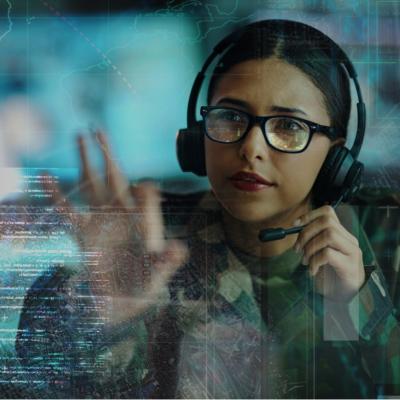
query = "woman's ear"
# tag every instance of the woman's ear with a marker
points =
(338, 142)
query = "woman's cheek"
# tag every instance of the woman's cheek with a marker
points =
(294, 189)
(218, 167)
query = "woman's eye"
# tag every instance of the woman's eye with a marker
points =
(289, 125)
(231, 116)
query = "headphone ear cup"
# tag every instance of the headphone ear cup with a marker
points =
(190, 149)
(323, 184)
(340, 175)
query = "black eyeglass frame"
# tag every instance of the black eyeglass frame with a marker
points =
(328, 131)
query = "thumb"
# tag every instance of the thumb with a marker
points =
(173, 257)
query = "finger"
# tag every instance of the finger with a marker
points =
(169, 262)
(326, 256)
(83, 156)
(331, 237)
(315, 214)
(117, 184)
(319, 224)
(148, 200)
(90, 183)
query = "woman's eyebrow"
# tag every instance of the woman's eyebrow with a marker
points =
(287, 110)
(274, 108)
(235, 102)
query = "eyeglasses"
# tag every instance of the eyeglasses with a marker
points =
(283, 133)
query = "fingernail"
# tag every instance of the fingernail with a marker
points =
(297, 222)
(297, 248)
(304, 261)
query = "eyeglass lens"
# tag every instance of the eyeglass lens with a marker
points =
(283, 133)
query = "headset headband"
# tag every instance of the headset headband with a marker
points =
(234, 37)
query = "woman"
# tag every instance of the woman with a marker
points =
(221, 314)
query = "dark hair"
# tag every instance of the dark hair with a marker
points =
(299, 45)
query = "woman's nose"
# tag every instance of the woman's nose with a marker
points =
(254, 147)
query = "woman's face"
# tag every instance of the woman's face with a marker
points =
(266, 87)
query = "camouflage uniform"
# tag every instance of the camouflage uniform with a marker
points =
(234, 326)
(379, 214)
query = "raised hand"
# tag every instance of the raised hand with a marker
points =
(332, 254)
(114, 190)
(123, 233)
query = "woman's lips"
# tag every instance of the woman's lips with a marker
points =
(249, 182)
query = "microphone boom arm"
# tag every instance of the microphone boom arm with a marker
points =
(270, 234)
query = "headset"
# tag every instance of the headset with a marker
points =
(340, 175)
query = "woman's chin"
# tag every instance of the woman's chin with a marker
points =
(248, 214)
